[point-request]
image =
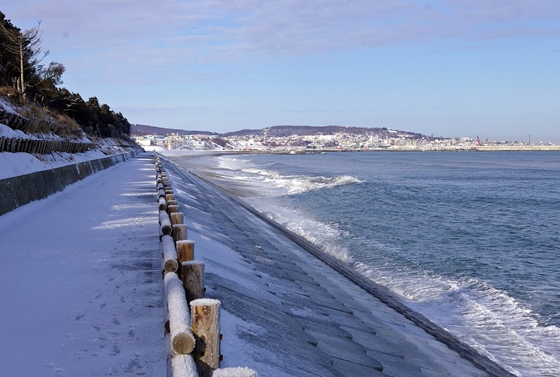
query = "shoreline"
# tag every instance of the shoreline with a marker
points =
(387, 298)
(380, 292)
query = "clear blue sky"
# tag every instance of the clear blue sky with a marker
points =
(445, 67)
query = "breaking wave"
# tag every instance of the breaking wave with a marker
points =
(294, 184)
(494, 323)
(273, 183)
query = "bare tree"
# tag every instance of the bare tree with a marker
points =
(26, 46)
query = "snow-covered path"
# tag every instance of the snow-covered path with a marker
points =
(81, 279)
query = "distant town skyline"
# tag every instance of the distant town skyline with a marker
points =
(446, 68)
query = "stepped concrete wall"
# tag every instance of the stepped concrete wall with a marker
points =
(23, 189)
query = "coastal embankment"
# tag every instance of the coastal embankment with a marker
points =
(292, 310)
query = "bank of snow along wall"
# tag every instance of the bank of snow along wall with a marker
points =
(23, 189)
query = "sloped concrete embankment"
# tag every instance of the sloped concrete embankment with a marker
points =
(23, 189)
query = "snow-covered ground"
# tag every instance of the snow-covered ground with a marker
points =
(14, 164)
(81, 279)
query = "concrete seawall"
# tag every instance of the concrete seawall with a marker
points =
(23, 189)
(303, 312)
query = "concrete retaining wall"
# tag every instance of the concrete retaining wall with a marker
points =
(23, 189)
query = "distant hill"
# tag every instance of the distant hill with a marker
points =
(280, 131)
(283, 131)
(141, 129)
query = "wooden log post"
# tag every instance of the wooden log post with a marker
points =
(171, 202)
(165, 223)
(179, 231)
(192, 275)
(235, 372)
(185, 253)
(169, 254)
(205, 321)
(176, 218)
(173, 208)
(169, 197)
(182, 339)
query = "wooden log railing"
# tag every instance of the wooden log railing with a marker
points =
(182, 339)
(36, 146)
(191, 321)
(169, 253)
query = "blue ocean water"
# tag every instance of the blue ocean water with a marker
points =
(470, 240)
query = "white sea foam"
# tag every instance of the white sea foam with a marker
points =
(293, 184)
(272, 183)
(484, 317)
(231, 163)
(317, 232)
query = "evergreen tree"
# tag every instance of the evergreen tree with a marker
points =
(21, 68)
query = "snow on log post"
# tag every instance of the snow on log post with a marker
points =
(176, 218)
(183, 366)
(235, 372)
(166, 317)
(179, 230)
(182, 339)
(205, 322)
(165, 223)
(185, 251)
(169, 254)
(192, 275)
(162, 204)
(173, 208)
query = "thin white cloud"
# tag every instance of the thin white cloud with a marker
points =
(155, 37)
(284, 26)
